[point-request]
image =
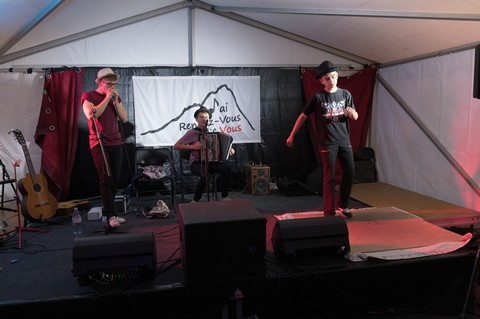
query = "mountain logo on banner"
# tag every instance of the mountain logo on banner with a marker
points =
(216, 122)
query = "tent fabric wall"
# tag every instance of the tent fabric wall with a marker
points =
(439, 93)
(20, 107)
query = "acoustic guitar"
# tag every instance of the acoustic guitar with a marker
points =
(66, 208)
(38, 204)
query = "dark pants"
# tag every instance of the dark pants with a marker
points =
(223, 181)
(108, 184)
(329, 155)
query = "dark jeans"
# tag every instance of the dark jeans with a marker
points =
(223, 181)
(108, 184)
(329, 155)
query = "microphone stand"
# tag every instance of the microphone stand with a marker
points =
(206, 164)
(108, 180)
(100, 142)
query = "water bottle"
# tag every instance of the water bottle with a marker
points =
(76, 222)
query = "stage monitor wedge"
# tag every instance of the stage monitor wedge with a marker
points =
(312, 237)
(120, 257)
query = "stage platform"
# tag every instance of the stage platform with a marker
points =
(433, 210)
(420, 281)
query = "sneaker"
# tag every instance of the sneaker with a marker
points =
(346, 212)
(226, 199)
(121, 220)
(193, 201)
(113, 222)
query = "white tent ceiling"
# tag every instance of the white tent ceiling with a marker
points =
(384, 32)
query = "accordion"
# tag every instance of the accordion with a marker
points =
(217, 146)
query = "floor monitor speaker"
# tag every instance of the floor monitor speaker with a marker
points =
(116, 257)
(222, 240)
(294, 238)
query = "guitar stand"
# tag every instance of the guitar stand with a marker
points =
(20, 229)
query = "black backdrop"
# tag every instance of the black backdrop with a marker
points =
(281, 102)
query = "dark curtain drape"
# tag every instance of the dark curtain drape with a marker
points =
(57, 128)
(361, 86)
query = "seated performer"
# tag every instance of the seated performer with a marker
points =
(191, 141)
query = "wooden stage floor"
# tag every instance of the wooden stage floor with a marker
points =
(433, 210)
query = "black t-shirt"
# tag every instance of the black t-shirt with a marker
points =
(332, 124)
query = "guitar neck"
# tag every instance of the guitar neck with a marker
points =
(28, 159)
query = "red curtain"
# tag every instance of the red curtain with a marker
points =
(361, 85)
(57, 128)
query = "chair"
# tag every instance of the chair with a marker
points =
(156, 170)
(365, 165)
(188, 179)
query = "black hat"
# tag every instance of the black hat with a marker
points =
(202, 109)
(324, 68)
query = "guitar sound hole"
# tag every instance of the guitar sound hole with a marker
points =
(37, 188)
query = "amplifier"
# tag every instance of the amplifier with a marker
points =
(122, 204)
(258, 179)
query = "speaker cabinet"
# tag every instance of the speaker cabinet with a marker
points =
(476, 73)
(122, 204)
(258, 179)
(310, 237)
(222, 240)
(116, 257)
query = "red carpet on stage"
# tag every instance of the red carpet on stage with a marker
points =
(391, 233)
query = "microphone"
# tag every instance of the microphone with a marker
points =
(114, 99)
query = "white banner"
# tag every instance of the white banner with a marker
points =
(164, 107)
